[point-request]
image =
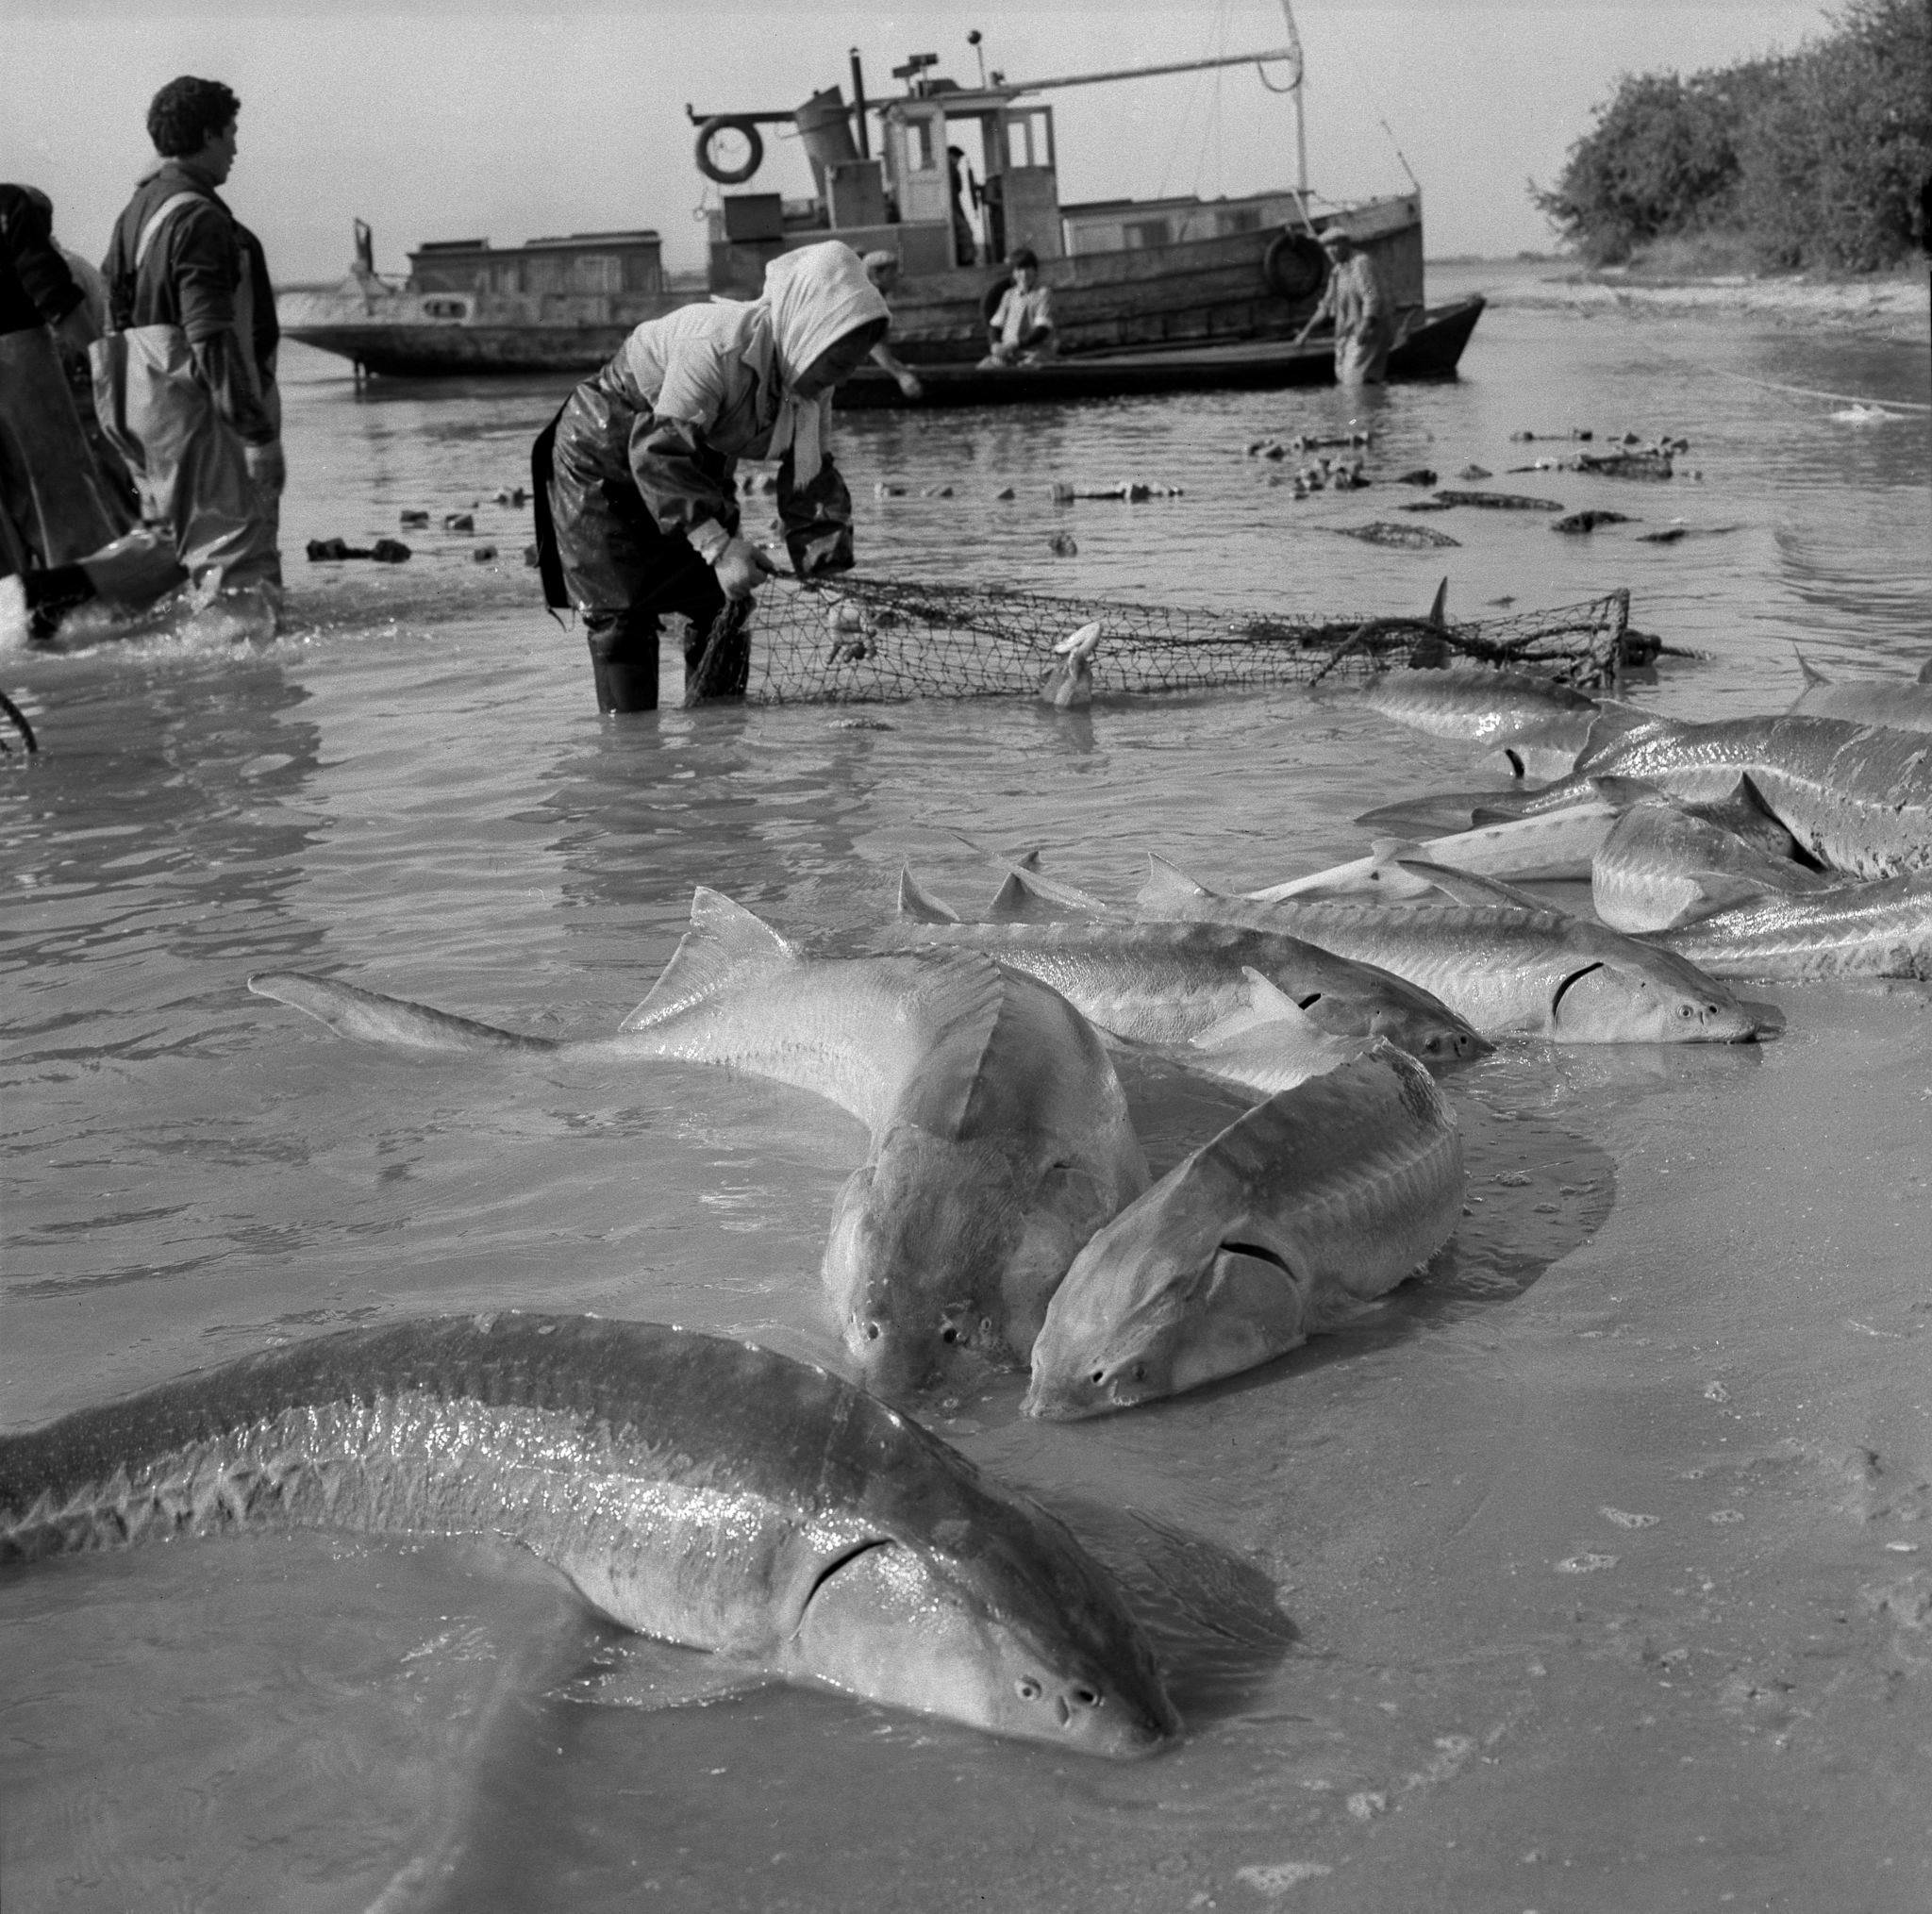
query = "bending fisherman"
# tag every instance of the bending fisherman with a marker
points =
(636, 477)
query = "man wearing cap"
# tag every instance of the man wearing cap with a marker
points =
(1356, 300)
(882, 269)
(1021, 323)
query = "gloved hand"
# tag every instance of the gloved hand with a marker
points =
(908, 384)
(741, 568)
(267, 467)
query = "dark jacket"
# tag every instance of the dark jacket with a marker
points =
(36, 287)
(189, 277)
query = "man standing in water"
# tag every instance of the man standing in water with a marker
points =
(189, 371)
(1356, 300)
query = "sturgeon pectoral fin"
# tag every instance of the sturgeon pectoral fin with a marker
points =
(1479, 893)
(374, 1019)
(726, 944)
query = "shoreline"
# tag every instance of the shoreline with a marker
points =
(1889, 304)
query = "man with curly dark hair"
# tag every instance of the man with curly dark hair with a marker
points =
(190, 395)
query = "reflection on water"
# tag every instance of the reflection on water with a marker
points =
(411, 790)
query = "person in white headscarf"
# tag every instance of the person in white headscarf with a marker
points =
(636, 477)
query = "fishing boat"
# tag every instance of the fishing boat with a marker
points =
(1167, 295)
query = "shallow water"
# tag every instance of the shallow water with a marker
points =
(1590, 1573)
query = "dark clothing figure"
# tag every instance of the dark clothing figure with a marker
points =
(636, 477)
(56, 508)
(184, 385)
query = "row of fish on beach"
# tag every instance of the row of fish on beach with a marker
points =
(1005, 1217)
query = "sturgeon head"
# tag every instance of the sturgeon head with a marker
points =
(1005, 1150)
(1067, 684)
(1298, 1213)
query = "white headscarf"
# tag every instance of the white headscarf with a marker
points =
(817, 294)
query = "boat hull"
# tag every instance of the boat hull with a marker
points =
(1430, 351)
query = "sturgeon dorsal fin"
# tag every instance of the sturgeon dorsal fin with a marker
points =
(1166, 885)
(1012, 903)
(1925, 672)
(1441, 600)
(1480, 893)
(1037, 884)
(1812, 676)
(724, 944)
(920, 904)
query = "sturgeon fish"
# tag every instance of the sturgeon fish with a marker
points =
(1484, 706)
(1000, 1134)
(1903, 704)
(691, 1488)
(1291, 1220)
(1168, 983)
(1661, 866)
(1881, 929)
(1552, 847)
(1508, 964)
(1856, 797)
(1067, 684)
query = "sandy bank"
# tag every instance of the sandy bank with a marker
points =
(1891, 304)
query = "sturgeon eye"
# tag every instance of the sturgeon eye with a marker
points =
(1686, 1010)
(1029, 1688)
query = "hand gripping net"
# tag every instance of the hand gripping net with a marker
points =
(872, 639)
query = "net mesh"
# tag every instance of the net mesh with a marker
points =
(873, 640)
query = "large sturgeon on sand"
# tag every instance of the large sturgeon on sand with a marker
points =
(1856, 797)
(691, 1488)
(1496, 957)
(1168, 984)
(1289, 1221)
(1000, 1135)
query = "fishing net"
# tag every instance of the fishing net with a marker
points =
(872, 639)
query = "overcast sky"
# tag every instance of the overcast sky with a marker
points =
(437, 120)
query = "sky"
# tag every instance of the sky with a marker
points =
(454, 119)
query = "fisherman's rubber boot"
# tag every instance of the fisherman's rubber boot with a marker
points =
(623, 664)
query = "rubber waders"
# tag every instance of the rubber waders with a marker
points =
(624, 662)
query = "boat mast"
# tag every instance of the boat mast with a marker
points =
(1300, 126)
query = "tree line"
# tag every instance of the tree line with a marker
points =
(1814, 159)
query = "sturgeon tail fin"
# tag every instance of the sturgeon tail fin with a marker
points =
(374, 1019)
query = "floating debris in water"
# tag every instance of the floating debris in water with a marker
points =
(1006, 493)
(1420, 476)
(1383, 532)
(858, 725)
(1530, 438)
(1476, 471)
(482, 554)
(882, 490)
(1623, 1518)
(458, 522)
(1588, 520)
(384, 551)
(1586, 1564)
(1133, 492)
(1428, 504)
(1651, 462)
(512, 496)
(415, 519)
(937, 491)
(1061, 546)
(1671, 534)
(1500, 501)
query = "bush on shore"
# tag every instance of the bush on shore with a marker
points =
(1815, 158)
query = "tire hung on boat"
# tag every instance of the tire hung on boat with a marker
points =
(715, 169)
(1294, 266)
